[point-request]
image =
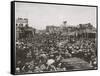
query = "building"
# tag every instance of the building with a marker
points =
(21, 22)
(29, 32)
(86, 31)
(53, 29)
(23, 30)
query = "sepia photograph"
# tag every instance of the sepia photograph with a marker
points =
(52, 37)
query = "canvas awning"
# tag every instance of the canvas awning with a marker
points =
(77, 63)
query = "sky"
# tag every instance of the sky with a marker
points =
(41, 15)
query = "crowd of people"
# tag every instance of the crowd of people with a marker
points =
(44, 53)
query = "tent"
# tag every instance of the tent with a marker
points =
(76, 63)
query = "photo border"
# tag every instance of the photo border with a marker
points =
(13, 30)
